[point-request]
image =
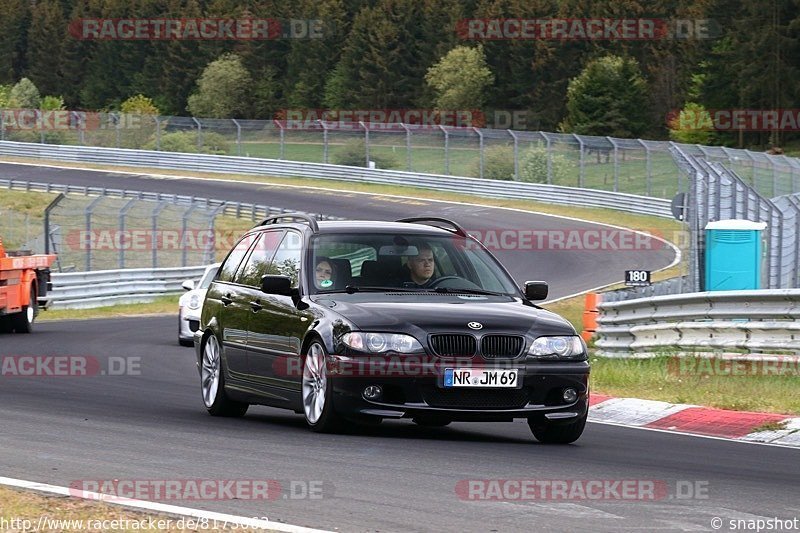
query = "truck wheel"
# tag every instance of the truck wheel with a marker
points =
(23, 322)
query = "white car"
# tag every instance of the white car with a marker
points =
(191, 304)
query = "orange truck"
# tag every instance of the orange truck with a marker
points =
(24, 282)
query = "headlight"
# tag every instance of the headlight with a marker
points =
(375, 343)
(194, 302)
(566, 347)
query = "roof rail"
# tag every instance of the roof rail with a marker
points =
(458, 230)
(311, 221)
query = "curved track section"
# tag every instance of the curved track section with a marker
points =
(598, 257)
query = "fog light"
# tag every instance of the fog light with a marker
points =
(570, 395)
(373, 392)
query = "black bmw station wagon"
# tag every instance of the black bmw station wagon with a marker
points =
(355, 322)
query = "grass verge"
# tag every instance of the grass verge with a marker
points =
(160, 306)
(25, 511)
(666, 379)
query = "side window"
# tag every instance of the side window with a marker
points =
(287, 258)
(228, 268)
(258, 263)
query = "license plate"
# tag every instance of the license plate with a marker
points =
(478, 377)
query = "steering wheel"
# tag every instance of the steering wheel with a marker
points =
(462, 283)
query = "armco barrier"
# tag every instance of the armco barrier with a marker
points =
(751, 321)
(273, 167)
(83, 290)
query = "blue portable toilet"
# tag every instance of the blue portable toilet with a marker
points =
(733, 255)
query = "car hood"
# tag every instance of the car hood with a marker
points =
(444, 313)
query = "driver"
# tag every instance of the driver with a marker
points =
(421, 266)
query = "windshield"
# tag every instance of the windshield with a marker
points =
(391, 261)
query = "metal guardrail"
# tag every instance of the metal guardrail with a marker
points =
(84, 290)
(273, 167)
(752, 320)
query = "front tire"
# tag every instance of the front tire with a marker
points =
(212, 383)
(317, 392)
(559, 433)
(23, 322)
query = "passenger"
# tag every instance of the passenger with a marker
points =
(324, 273)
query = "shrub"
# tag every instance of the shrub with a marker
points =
(186, 142)
(498, 164)
(533, 166)
(353, 154)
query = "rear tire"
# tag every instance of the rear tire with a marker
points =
(558, 433)
(23, 322)
(212, 383)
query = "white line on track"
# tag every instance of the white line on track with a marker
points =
(142, 505)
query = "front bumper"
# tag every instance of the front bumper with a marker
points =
(419, 392)
(188, 323)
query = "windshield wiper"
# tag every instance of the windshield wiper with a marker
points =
(350, 289)
(469, 291)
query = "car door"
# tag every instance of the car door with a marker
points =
(226, 302)
(277, 329)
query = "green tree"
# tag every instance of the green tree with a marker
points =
(609, 97)
(14, 22)
(5, 94)
(223, 90)
(460, 79)
(139, 105)
(692, 125)
(24, 95)
(45, 54)
(52, 103)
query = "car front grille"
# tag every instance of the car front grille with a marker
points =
(475, 398)
(501, 346)
(453, 345)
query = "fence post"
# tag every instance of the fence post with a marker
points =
(199, 133)
(87, 213)
(446, 149)
(283, 139)
(118, 123)
(2, 125)
(158, 133)
(649, 167)
(154, 227)
(210, 252)
(582, 164)
(516, 153)
(408, 146)
(324, 140)
(122, 214)
(480, 137)
(366, 141)
(238, 137)
(184, 228)
(47, 211)
(548, 148)
(39, 121)
(616, 164)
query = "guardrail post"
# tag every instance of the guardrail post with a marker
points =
(88, 236)
(366, 141)
(408, 146)
(480, 137)
(581, 164)
(238, 137)
(199, 133)
(516, 153)
(122, 214)
(446, 149)
(154, 230)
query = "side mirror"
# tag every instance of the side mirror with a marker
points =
(536, 290)
(271, 284)
(188, 285)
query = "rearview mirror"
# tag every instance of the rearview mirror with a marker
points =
(188, 285)
(271, 284)
(536, 290)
